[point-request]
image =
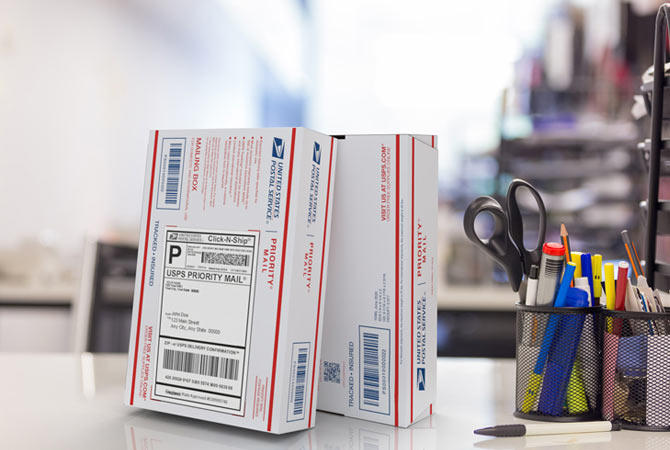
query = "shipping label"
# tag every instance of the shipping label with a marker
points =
(205, 318)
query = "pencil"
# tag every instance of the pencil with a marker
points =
(637, 258)
(634, 262)
(566, 244)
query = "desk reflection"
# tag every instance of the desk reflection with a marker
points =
(155, 431)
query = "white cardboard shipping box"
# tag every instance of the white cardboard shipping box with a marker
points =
(231, 276)
(378, 360)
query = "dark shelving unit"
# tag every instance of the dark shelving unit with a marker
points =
(555, 164)
(658, 273)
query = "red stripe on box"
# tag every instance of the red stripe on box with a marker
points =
(144, 269)
(411, 386)
(397, 270)
(281, 280)
(323, 257)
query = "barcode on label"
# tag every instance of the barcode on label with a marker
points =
(374, 345)
(332, 372)
(228, 259)
(370, 369)
(171, 171)
(208, 365)
(297, 391)
(301, 372)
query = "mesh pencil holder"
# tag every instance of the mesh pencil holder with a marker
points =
(636, 369)
(558, 363)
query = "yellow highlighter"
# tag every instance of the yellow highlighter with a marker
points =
(576, 394)
(609, 292)
(597, 264)
(533, 389)
(576, 257)
(609, 286)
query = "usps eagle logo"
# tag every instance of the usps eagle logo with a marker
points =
(317, 153)
(278, 148)
(421, 378)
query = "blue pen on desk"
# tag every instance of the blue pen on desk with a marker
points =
(536, 377)
(587, 272)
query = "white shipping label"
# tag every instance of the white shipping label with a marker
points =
(205, 318)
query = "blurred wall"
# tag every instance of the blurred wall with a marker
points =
(81, 85)
(420, 67)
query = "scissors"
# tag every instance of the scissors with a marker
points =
(506, 245)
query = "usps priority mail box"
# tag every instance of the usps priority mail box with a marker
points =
(378, 360)
(231, 276)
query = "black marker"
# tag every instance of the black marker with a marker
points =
(531, 290)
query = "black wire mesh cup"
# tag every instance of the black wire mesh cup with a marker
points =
(558, 363)
(636, 369)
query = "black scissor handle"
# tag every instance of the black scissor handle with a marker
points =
(498, 246)
(534, 255)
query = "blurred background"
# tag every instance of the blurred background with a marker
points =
(514, 88)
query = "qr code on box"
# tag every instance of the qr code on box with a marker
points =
(331, 372)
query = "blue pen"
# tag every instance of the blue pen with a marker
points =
(587, 271)
(569, 272)
(645, 309)
(561, 359)
(536, 377)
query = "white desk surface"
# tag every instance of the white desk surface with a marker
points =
(74, 402)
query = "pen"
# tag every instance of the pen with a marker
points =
(622, 278)
(537, 429)
(620, 302)
(597, 262)
(568, 276)
(535, 380)
(559, 387)
(588, 274)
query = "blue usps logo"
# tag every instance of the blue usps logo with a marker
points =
(421, 378)
(278, 148)
(317, 153)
